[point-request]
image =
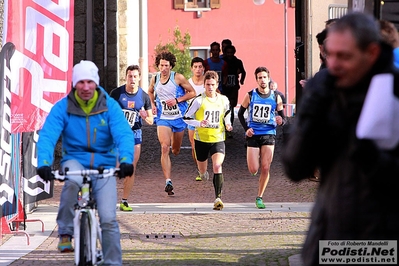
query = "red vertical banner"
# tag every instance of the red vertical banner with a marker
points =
(41, 66)
(36, 71)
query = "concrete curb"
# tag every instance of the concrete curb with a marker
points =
(295, 260)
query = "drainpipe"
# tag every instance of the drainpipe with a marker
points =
(286, 51)
(89, 30)
(105, 73)
(309, 41)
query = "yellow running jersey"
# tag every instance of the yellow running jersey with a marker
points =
(214, 111)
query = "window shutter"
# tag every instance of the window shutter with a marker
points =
(179, 4)
(215, 3)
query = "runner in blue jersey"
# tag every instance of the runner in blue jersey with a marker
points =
(136, 106)
(169, 92)
(260, 128)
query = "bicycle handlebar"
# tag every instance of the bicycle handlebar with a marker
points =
(62, 176)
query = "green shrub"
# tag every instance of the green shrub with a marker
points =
(180, 47)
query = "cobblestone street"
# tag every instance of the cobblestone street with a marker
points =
(261, 237)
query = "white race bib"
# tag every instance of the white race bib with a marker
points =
(130, 116)
(170, 110)
(213, 118)
(261, 113)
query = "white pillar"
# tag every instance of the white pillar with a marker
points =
(137, 38)
(143, 56)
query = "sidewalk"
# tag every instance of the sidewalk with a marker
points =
(181, 234)
(17, 246)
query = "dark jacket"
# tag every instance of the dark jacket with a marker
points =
(359, 184)
(234, 68)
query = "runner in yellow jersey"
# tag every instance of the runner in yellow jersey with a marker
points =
(209, 113)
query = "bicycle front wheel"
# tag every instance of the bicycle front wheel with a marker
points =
(85, 240)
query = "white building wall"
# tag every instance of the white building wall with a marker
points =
(318, 14)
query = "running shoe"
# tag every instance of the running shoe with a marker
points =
(259, 203)
(218, 204)
(124, 206)
(314, 179)
(198, 178)
(65, 244)
(169, 188)
(205, 176)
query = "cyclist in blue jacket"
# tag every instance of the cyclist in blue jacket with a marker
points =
(94, 133)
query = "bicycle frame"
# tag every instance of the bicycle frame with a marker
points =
(89, 210)
(95, 234)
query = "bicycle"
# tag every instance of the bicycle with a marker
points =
(87, 231)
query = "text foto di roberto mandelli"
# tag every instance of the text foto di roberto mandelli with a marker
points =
(364, 250)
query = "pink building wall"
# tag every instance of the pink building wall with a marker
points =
(257, 32)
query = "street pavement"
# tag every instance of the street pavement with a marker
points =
(183, 229)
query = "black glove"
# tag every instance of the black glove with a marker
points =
(125, 169)
(45, 173)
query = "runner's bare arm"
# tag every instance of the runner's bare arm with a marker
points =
(183, 82)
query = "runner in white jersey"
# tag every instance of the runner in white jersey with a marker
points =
(197, 81)
(169, 92)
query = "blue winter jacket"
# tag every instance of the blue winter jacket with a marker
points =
(93, 140)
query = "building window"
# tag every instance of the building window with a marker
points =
(196, 4)
(200, 51)
(337, 11)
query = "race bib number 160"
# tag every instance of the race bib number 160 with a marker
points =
(169, 110)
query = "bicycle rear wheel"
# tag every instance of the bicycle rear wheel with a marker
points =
(85, 241)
